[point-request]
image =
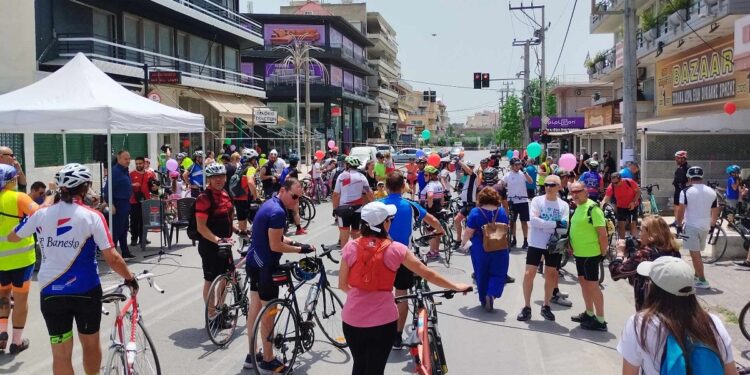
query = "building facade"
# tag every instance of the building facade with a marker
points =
(689, 68)
(484, 119)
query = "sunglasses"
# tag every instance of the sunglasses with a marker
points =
(11, 155)
(295, 196)
(577, 191)
(549, 185)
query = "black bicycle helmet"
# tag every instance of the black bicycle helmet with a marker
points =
(694, 172)
(489, 176)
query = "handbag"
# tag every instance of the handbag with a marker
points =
(494, 235)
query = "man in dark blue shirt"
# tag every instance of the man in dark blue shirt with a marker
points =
(265, 250)
(121, 192)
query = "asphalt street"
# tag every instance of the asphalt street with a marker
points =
(475, 342)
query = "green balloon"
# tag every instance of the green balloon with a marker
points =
(227, 141)
(534, 149)
(426, 134)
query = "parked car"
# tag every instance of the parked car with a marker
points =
(364, 153)
(427, 151)
(404, 155)
(443, 152)
(456, 150)
(493, 149)
(383, 148)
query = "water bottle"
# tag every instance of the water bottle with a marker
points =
(311, 296)
(130, 351)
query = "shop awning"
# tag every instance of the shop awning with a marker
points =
(710, 122)
(383, 104)
(231, 105)
(402, 115)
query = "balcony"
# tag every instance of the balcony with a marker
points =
(385, 92)
(382, 44)
(116, 58)
(218, 16)
(382, 65)
(318, 91)
(604, 66)
(609, 23)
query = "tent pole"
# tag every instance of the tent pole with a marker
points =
(203, 147)
(109, 181)
(65, 148)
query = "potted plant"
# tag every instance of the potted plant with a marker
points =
(602, 5)
(589, 64)
(599, 60)
(648, 25)
(675, 11)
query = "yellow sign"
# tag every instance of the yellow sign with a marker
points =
(701, 79)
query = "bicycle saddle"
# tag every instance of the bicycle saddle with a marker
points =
(113, 297)
(413, 340)
(288, 266)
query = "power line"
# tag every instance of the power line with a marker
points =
(438, 84)
(485, 105)
(570, 21)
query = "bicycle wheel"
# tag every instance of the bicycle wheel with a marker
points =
(283, 334)
(745, 321)
(146, 359)
(306, 211)
(116, 362)
(222, 310)
(437, 357)
(447, 240)
(716, 245)
(328, 316)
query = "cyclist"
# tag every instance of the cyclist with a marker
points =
(70, 233)
(444, 176)
(592, 180)
(432, 198)
(370, 314)
(680, 179)
(317, 177)
(264, 252)
(515, 183)
(351, 192)
(214, 218)
(407, 213)
(249, 193)
(269, 175)
(18, 259)
(698, 217)
(411, 174)
(468, 198)
(544, 171)
(194, 174)
(184, 161)
(421, 178)
(533, 172)
(483, 164)
(733, 186)
(626, 194)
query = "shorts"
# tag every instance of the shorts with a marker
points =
(351, 222)
(695, 238)
(241, 208)
(534, 257)
(624, 214)
(676, 198)
(521, 210)
(60, 311)
(16, 277)
(213, 265)
(404, 278)
(467, 207)
(588, 267)
(437, 206)
(262, 283)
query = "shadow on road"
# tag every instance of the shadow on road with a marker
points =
(197, 338)
(595, 336)
(478, 313)
(322, 351)
(704, 292)
(13, 369)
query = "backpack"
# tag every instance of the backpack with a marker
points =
(699, 359)
(235, 183)
(192, 227)
(494, 235)
(607, 223)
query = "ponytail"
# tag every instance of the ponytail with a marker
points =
(67, 195)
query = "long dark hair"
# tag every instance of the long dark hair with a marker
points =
(682, 316)
(366, 231)
(66, 195)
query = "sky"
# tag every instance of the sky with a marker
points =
(477, 36)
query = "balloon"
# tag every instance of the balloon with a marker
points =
(172, 165)
(426, 134)
(331, 144)
(227, 141)
(232, 148)
(730, 108)
(568, 161)
(420, 153)
(319, 154)
(433, 160)
(335, 148)
(534, 149)
(185, 143)
(174, 174)
(509, 154)
(515, 153)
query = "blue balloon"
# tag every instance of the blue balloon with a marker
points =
(509, 154)
(420, 153)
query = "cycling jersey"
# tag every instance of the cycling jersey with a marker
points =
(515, 184)
(195, 176)
(68, 235)
(406, 212)
(469, 190)
(421, 181)
(437, 190)
(593, 182)
(216, 207)
(186, 163)
(271, 215)
(351, 185)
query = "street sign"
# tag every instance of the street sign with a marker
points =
(336, 112)
(165, 77)
(265, 116)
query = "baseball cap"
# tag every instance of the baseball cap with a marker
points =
(672, 274)
(375, 213)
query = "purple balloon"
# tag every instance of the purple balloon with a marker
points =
(172, 165)
(232, 148)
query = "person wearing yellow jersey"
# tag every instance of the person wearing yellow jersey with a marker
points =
(263, 160)
(16, 259)
(185, 161)
(542, 172)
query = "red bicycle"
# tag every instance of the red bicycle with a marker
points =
(131, 350)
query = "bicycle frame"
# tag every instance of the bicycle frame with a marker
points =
(117, 330)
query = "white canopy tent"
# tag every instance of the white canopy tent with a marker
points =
(80, 98)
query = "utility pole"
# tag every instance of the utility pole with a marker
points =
(308, 127)
(526, 99)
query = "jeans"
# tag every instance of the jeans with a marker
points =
(120, 224)
(370, 347)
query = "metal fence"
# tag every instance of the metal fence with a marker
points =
(700, 146)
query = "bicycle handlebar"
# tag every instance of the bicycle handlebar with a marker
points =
(327, 253)
(446, 293)
(650, 187)
(145, 275)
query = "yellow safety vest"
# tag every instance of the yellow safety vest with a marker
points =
(13, 255)
(539, 177)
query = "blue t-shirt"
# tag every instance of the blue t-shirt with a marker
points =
(420, 180)
(477, 218)
(271, 215)
(403, 222)
(626, 173)
(531, 170)
(732, 193)
(195, 176)
(592, 181)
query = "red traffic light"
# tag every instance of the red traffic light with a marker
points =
(485, 79)
(477, 80)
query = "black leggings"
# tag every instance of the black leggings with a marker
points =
(370, 347)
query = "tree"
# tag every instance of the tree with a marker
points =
(536, 105)
(510, 120)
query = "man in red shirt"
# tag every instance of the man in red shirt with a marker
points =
(139, 179)
(627, 195)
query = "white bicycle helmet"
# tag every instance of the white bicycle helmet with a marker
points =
(249, 153)
(199, 154)
(72, 175)
(215, 169)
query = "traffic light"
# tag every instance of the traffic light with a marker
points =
(433, 96)
(425, 96)
(477, 80)
(485, 79)
(546, 138)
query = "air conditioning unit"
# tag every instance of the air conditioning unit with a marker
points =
(641, 74)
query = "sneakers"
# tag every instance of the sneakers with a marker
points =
(398, 343)
(489, 303)
(582, 317)
(3, 341)
(560, 300)
(513, 242)
(15, 348)
(525, 244)
(594, 325)
(702, 284)
(432, 256)
(558, 292)
(524, 315)
(300, 231)
(128, 256)
(249, 360)
(509, 280)
(744, 263)
(547, 313)
(273, 367)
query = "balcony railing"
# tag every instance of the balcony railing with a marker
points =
(120, 53)
(604, 66)
(223, 14)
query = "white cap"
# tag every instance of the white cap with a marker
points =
(375, 213)
(670, 273)
(273, 152)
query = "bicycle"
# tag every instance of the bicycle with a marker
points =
(745, 321)
(446, 240)
(307, 211)
(717, 236)
(610, 217)
(227, 296)
(138, 354)
(292, 330)
(649, 207)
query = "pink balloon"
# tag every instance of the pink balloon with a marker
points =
(568, 161)
(515, 153)
(174, 174)
(172, 165)
(331, 144)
